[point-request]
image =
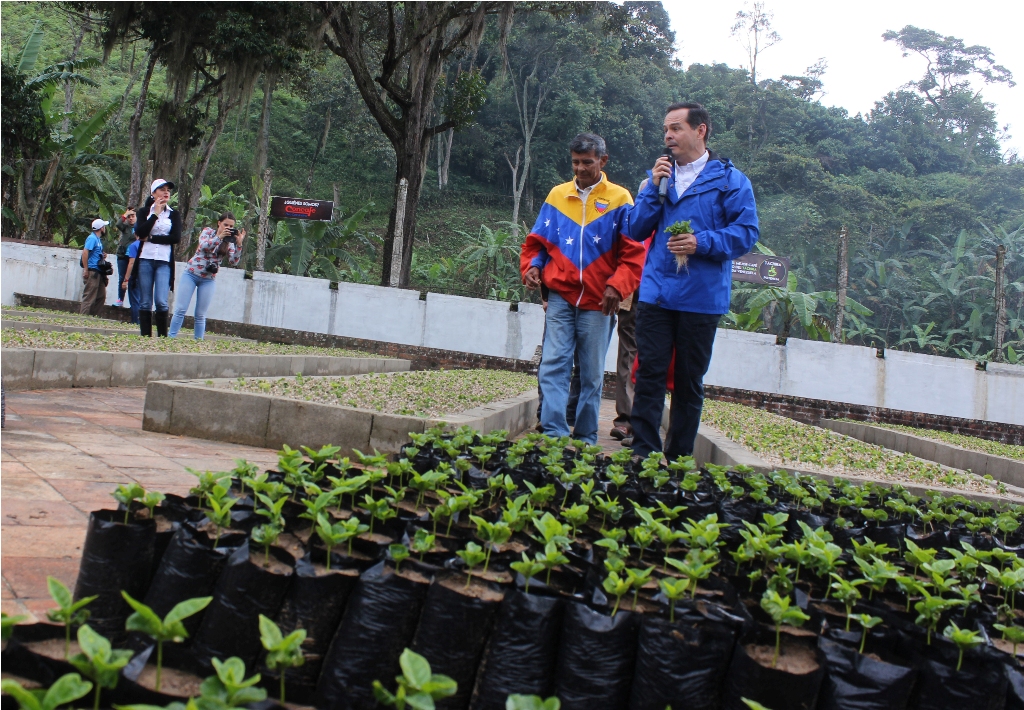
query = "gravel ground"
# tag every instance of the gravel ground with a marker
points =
(54, 340)
(1010, 451)
(787, 443)
(430, 393)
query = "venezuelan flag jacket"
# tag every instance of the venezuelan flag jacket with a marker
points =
(721, 210)
(580, 247)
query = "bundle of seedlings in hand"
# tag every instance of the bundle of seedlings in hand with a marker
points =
(675, 230)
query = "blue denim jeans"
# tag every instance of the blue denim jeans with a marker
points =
(154, 284)
(570, 330)
(204, 289)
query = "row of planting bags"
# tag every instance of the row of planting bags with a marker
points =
(503, 641)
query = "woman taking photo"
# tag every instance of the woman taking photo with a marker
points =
(159, 229)
(201, 271)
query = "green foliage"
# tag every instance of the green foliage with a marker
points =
(98, 661)
(68, 612)
(417, 687)
(170, 628)
(65, 690)
(532, 702)
(283, 652)
(229, 688)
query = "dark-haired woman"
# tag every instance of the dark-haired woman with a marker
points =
(159, 229)
(201, 271)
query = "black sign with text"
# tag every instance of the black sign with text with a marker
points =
(761, 269)
(299, 208)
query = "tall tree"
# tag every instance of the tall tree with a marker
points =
(213, 54)
(946, 85)
(396, 53)
(753, 28)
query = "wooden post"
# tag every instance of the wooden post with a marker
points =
(396, 248)
(1000, 303)
(842, 277)
(261, 239)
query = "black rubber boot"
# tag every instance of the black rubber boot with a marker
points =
(160, 318)
(146, 324)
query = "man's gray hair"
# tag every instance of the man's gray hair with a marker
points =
(588, 143)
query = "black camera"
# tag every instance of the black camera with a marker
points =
(230, 237)
(105, 268)
(212, 268)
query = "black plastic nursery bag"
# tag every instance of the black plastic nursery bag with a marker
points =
(595, 659)
(231, 623)
(378, 624)
(772, 687)
(854, 681)
(521, 652)
(115, 557)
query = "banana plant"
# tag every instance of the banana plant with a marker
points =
(169, 629)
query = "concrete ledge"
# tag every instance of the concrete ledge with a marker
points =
(25, 369)
(712, 447)
(1007, 470)
(212, 410)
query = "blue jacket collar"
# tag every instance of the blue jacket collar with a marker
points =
(715, 168)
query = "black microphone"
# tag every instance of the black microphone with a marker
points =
(663, 187)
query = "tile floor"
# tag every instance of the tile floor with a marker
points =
(62, 452)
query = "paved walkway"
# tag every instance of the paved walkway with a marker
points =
(63, 453)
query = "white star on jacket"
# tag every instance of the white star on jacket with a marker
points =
(568, 242)
(547, 223)
(597, 239)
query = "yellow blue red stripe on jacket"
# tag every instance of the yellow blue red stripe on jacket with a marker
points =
(580, 247)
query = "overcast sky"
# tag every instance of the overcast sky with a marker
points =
(861, 66)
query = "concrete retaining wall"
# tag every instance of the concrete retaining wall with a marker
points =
(214, 411)
(25, 369)
(1000, 468)
(745, 361)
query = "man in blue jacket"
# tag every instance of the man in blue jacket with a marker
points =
(681, 303)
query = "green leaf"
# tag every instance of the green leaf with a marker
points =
(187, 608)
(270, 634)
(144, 619)
(30, 52)
(415, 668)
(67, 688)
(25, 699)
(59, 592)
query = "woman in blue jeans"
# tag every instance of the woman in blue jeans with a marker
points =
(201, 271)
(159, 229)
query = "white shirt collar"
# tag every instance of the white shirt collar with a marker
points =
(697, 165)
(685, 175)
(583, 192)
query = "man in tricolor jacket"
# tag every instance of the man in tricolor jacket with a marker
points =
(577, 249)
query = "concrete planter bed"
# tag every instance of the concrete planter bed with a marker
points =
(925, 444)
(735, 434)
(221, 410)
(29, 369)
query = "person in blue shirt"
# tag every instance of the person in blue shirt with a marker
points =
(687, 278)
(95, 291)
(130, 282)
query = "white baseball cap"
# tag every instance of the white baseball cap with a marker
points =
(99, 224)
(160, 182)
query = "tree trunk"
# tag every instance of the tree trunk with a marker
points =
(412, 165)
(42, 197)
(263, 137)
(444, 156)
(188, 219)
(69, 88)
(1000, 303)
(135, 188)
(264, 228)
(319, 151)
(842, 277)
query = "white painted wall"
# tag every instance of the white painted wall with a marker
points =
(749, 361)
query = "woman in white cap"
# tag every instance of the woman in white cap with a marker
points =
(159, 229)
